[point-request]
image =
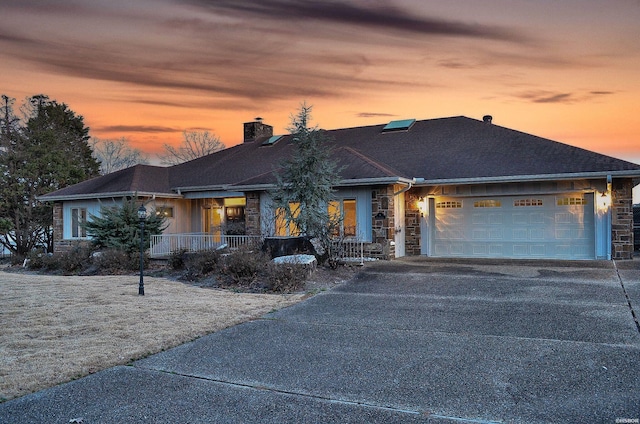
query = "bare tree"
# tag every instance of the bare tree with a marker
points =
(115, 155)
(195, 144)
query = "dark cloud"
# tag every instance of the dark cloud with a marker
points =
(543, 96)
(137, 128)
(374, 115)
(372, 15)
(456, 64)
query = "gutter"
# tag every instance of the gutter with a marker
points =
(533, 177)
(92, 196)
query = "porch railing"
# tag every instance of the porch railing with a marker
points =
(163, 245)
(348, 251)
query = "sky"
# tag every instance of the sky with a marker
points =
(148, 70)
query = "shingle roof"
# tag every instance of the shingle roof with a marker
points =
(136, 179)
(444, 149)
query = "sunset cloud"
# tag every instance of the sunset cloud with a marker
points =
(149, 69)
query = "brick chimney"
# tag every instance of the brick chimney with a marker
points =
(256, 129)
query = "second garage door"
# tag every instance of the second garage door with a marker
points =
(551, 226)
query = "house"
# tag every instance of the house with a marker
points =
(448, 187)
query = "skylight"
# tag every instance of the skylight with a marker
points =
(271, 140)
(402, 125)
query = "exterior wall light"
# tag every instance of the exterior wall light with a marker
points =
(603, 201)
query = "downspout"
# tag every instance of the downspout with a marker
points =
(404, 190)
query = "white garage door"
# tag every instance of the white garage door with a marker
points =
(554, 227)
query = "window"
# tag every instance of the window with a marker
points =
(165, 211)
(527, 202)
(487, 204)
(78, 218)
(285, 227)
(571, 201)
(449, 205)
(345, 208)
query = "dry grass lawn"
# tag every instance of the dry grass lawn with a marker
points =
(56, 328)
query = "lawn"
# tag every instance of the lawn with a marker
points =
(57, 328)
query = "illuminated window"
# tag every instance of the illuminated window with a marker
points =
(527, 202)
(167, 212)
(571, 201)
(487, 204)
(78, 218)
(345, 209)
(285, 227)
(449, 205)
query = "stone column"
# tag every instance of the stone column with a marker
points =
(622, 219)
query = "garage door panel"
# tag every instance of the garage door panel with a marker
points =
(560, 226)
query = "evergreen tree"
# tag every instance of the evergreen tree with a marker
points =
(45, 151)
(306, 182)
(118, 227)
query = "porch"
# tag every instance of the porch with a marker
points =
(163, 245)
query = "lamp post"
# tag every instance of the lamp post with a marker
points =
(142, 216)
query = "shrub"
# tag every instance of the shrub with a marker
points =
(284, 278)
(244, 265)
(38, 259)
(200, 264)
(119, 227)
(115, 261)
(247, 268)
(176, 259)
(72, 261)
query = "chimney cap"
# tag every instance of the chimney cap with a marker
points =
(487, 118)
(258, 119)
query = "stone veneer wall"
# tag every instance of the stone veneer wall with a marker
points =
(622, 219)
(382, 202)
(412, 223)
(252, 214)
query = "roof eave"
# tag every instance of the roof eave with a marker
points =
(521, 178)
(89, 196)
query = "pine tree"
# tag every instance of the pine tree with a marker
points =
(118, 227)
(305, 186)
(45, 151)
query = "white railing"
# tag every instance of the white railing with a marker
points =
(348, 251)
(163, 245)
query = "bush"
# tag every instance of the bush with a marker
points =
(115, 261)
(244, 265)
(284, 278)
(176, 259)
(200, 264)
(38, 260)
(247, 268)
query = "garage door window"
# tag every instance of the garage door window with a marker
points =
(571, 201)
(527, 202)
(487, 204)
(449, 205)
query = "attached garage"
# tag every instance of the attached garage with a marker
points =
(559, 226)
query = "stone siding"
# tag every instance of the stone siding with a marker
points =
(252, 214)
(412, 223)
(622, 219)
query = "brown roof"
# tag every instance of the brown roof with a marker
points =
(138, 179)
(446, 149)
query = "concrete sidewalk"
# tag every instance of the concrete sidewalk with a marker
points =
(415, 340)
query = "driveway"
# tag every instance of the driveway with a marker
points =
(414, 340)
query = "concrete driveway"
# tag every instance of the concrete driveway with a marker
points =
(413, 340)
